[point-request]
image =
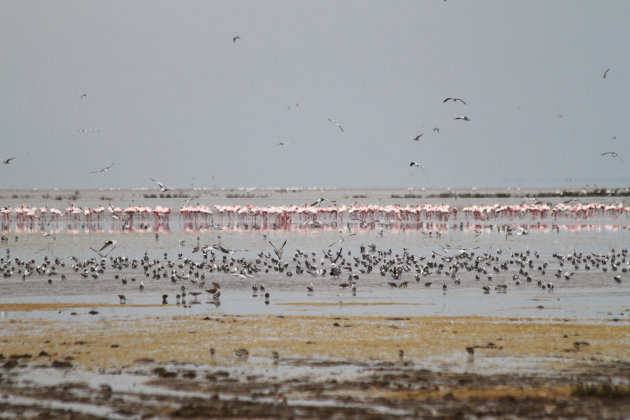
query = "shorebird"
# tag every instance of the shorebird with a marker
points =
(417, 138)
(105, 169)
(454, 100)
(278, 251)
(463, 118)
(613, 154)
(235, 38)
(163, 188)
(337, 123)
(7, 161)
(605, 73)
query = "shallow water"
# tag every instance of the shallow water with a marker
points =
(591, 294)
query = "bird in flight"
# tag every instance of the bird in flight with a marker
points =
(463, 118)
(235, 38)
(418, 164)
(278, 251)
(319, 200)
(605, 73)
(103, 169)
(83, 95)
(106, 244)
(283, 143)
(163, 188)
(454, 100)
(336, 123)
(613, 154)
(417, 138)
(7, 161)
(436, 130)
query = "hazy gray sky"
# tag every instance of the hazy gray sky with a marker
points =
(169, 95)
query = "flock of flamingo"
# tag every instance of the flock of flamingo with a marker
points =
(310, 216)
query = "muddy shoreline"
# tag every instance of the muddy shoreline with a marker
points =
(313, 367)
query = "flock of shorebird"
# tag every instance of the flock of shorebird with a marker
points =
(448, 266)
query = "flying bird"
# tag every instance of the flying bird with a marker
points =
(605, 73)
(163, 188)
(7, 161)
(235, 38)
(417, 138)
(283, 143)
(319, 200)
(104, 169)
(436, 130)
(463, 118)
(418, 164)
(278, 251)
(613, 154)
(106, 244)
(454, 100)
(83, 95)
(336, 123)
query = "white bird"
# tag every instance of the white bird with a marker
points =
(418, 164)
(613, 154)
(336, 123)
(7, 161)
(162, 186)
(454, 100)
(463, 118)
(105, 169)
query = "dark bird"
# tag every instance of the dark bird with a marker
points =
(106, 244)
(235, 38)
(83, 95)
(319, 200)
(613, 154)
(463, 118)
(7, 161)
(417, 138)
(454, 100)
(278, 251)
(436, 130)
(104, 169)
(605, 73)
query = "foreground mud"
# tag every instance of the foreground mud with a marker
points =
(311, 367)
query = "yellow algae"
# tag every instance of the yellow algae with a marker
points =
(323, 304)
(28, 307)
(116, 343)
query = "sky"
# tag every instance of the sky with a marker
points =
(161, 90)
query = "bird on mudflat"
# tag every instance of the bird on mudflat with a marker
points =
(7, 161)
(613, 154)
(105, 169)
(337, 123)
(454, 100)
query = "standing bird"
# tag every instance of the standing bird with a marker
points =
(605, 73)
(105, 169)
(337, 123)
(454, 100)
(463, 118)
(613, 154)
(235, 38)
(7, 161)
